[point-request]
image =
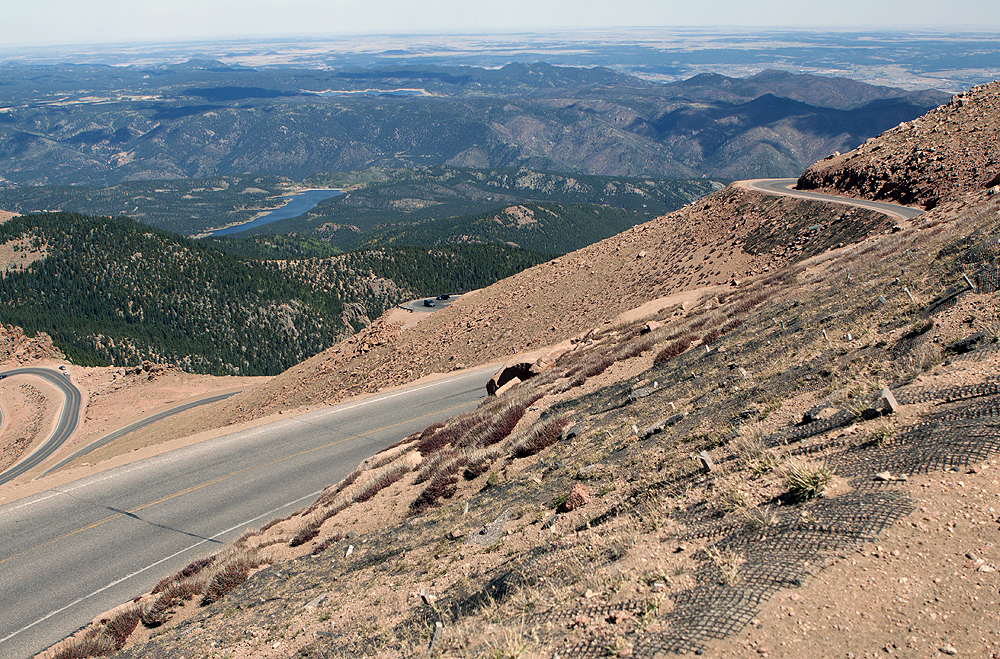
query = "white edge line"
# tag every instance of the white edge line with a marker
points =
(152, 565)
(240, 436)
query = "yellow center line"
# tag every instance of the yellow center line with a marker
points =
(194, 488)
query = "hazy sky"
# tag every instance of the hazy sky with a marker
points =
(46, 22)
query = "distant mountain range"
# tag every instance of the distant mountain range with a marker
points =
(102, 125)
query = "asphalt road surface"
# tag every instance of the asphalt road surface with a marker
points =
(781, 186)
(66, 425)
(69, 554)
(132, 427)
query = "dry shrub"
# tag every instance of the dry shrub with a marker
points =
(716, 332)
(442, 486)
(538, 437)
(672, 349)
(306, 533)
(328, 497)
(707, 319)
(750, 300)
(430, 466)
(480, 461)
(183, 591)
(95, 646)
(452, 433)
(229, 576)
(636, 346)
(193, 568)
(502, 424)
(323, 546)
(121, 626)
(381, 480)
(156, 611)
(311, 530)
(173, 590)
(426, 443)
(269, 524)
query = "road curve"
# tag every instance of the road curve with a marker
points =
(71, 553)
(68, 418)
(782, 186)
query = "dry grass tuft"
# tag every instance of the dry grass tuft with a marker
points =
(806, 481)
(729, 563)
(230, 574)
(672, 349)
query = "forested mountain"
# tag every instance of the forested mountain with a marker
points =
(110, 290)
(186, 206)
(373, 198)
(546, 228)
(429, 204)
(99, 125)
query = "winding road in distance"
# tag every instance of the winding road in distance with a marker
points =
(71, 553)
(66, 425)
(782, 186)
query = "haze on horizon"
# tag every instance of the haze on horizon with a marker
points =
(66, 22)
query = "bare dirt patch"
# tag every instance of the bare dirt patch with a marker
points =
(29, 415)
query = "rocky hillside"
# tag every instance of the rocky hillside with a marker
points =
(798, 463)
(16, 349)
(717, 242)
(949, 151)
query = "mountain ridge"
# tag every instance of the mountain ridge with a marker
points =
(543, 117)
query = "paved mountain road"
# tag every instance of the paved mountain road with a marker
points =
(65, 426)
(781, 186)
(71, 553)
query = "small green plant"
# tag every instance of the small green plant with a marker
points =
(732, 499)
(806, 481)
(753, 454)
(616, 646)
(511, 646)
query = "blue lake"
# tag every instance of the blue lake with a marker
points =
(299, 203)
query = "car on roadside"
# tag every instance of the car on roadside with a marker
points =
(444, 296)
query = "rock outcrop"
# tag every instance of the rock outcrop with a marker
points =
(17, 349)
(949, 151)
(526, 366)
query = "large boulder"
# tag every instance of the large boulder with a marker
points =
(524, 367)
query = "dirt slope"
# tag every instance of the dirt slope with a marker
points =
(728, 235)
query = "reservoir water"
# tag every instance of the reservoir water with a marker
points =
(297, 204)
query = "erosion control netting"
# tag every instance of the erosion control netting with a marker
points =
(965, 429)
(988, 280)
